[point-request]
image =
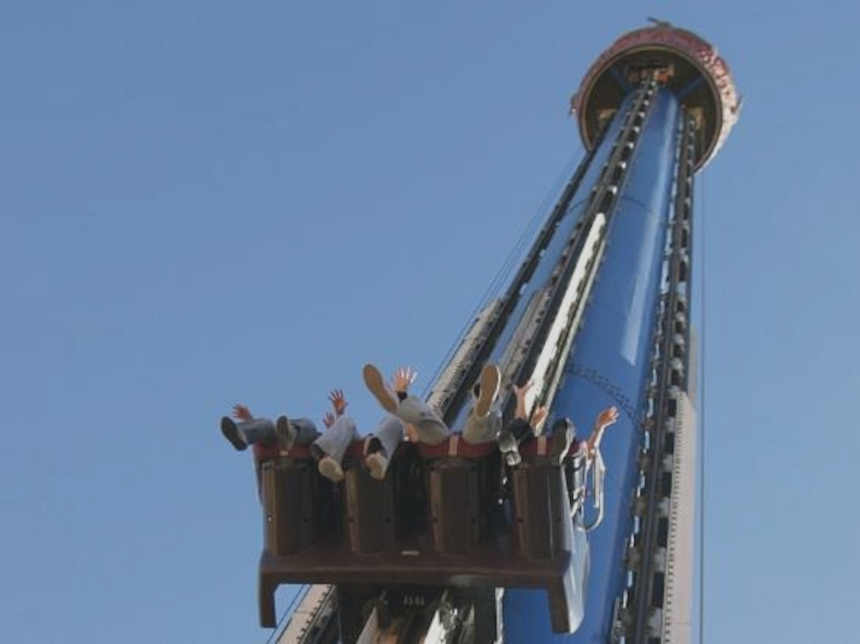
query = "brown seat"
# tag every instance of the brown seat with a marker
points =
(541, 510)
(460, 491)
(289, 493)
(369, 512)
(455, 547)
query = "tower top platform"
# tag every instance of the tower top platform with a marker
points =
(681, 60)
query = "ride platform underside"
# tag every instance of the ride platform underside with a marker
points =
(458, 544)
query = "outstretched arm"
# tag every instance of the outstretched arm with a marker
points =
(401, 380)
(604, 419)
(338, 401)
(520, 395)
(539, 413)
(241, 412)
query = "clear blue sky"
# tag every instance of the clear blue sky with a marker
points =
(207, 202)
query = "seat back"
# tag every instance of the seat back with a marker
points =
(454, 505)
(290, 515)
(541, 510)
(369, 512)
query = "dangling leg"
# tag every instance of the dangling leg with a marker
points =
(485, 419)
(430, 428)
(489, 389)
(244, 433)
(379, 447)
(331, 446)
(483, 429)
(375, 382)
(562, 437)
(412, 410)
(295, 431)
(516, 432)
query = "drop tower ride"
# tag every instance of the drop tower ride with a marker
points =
(597, 314)
(653, 109)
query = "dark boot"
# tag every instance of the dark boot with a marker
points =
(231, 433)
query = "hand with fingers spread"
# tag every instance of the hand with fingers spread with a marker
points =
(328, 419)
(520, 394)
(338, 401)
(604, 419)
(607, 417)
(403, 377)
(538, 417)
(241, 412)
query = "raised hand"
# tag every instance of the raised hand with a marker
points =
(520, 392)
(538, 416)
(607, 417)
(328, 419)
(604, 419)
(241, 412)
(403, 377)
(338, 401)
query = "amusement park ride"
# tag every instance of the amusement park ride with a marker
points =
(469, 543)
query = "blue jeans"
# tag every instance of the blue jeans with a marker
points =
(262, 431)
(336, 439)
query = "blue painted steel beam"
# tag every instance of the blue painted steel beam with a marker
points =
(610, 365)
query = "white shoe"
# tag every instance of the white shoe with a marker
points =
(513, 458)
(377, 465)
(507, 441)
(330, 469)
(378, 387)
(490, 378)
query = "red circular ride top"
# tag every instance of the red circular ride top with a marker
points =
(717, 97)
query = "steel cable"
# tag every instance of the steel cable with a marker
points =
(303, 590)
(528, 232)
(702, 425)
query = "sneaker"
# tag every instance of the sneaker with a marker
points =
(378, 387)
(377, 465)
(231, 433)
(560, 441)
(513, 458)
(286, 434)
(372, 444)
(330, 469)
(507, 441)
(490, 378)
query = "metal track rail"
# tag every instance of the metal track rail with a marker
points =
(641, 622)
(603, 204)
(450, 406)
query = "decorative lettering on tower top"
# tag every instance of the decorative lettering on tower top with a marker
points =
(687, 44)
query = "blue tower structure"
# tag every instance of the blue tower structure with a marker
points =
(596, 315)
(634, 348)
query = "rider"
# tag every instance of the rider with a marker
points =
(327, 448)
(483, 423)
(562, 440)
